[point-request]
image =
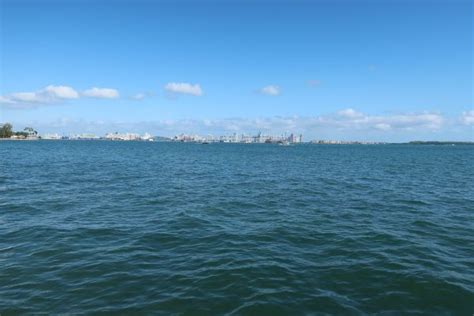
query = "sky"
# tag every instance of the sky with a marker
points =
(350, 70)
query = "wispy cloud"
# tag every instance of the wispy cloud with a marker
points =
(138, 96)
(270, 90)
(372, 67)
(141, 96)
(467, 117)
(183, 88)
(314, 83)
(350, 114)
(352, 119)
(101, 93)
(6, 100)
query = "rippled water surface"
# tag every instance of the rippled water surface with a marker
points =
(172, 228)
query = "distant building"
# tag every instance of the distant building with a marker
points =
(51, 136)
(147, 137)
(122, 136)
(84, 136)
(30, 133)
(243, 138)
(188, 138)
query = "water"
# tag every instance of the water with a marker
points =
(169, 228)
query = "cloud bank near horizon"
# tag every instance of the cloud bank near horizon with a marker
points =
(467, 117)
(340, 124)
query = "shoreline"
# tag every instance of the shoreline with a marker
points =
(418, 143)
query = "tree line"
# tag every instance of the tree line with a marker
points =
(6, 131)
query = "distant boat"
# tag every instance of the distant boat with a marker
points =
(284, 143)
(205, 143)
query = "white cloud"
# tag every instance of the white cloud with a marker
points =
(184, 88)
(101, 93)
(47, 95)
(270, 90)
(50, 95)
(61, 92)
(467, 118)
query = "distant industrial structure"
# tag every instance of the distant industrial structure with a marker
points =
(28, 133)
(242, 138)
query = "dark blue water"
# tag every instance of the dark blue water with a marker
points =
(169, 228)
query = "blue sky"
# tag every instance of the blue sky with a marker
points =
(381, 70)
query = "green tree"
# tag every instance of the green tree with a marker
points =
(22, 134)
(30, 131)
(6, 130)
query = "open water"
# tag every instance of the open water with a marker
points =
(97, 227)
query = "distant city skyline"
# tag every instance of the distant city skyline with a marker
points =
(347, 70)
